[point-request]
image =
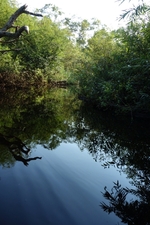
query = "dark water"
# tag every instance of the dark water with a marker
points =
(62, 163)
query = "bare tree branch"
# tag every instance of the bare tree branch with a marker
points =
(12, 19)
(16, 34)
(33, 14)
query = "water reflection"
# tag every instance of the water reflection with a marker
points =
(55, 116)
(126, 146)
(17, 149)
(34, 118)
(133, 212)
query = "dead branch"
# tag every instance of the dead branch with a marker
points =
(33, 14)
(10, 23)
(16, 34)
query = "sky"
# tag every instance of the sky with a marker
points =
(107, 11)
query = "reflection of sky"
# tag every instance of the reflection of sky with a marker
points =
(83, 178)
(63, 188)
(79, 170)
(85, 163)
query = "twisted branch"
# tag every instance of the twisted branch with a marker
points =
(13, 18)
(10, 23)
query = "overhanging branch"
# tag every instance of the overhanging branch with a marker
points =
(12, 19)
(33, 14)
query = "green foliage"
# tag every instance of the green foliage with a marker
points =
(115, 73)
(6, 10)
(43, 51)
(80, 29)
(135, 11)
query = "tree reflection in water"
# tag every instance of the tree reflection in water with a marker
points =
(17, 148)
(34, 118)
(48, 120)
(133, 212)
(126, 146)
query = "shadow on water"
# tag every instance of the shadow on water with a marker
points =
(55, 116)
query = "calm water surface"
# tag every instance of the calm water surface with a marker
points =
(62, 163)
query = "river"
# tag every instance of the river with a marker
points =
(65, 163)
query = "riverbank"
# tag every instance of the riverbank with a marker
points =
(27, 80)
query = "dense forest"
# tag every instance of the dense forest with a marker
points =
(110, 68)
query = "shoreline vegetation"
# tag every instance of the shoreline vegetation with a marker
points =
(111, 68)
(24, 82)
